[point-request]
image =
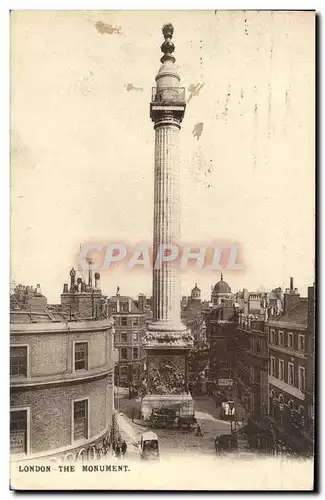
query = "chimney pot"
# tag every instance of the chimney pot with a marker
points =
(291, 283)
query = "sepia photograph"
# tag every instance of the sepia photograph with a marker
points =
(162, 253)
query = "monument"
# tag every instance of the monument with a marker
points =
(167, 341)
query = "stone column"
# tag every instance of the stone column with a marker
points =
(166, 279)
(167, 342)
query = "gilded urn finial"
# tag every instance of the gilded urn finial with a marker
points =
(167, 46)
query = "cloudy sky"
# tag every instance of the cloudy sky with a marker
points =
(82, 143)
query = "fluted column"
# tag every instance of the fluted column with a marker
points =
(166, 279)
(167, 110)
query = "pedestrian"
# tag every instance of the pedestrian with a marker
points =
(118, 450)
(123, 448)
(198, 430)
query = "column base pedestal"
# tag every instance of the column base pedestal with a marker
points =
(182, 403)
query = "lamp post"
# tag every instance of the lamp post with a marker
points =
(231, 406)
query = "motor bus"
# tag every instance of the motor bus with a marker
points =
(149, 446)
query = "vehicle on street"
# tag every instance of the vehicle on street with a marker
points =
(163, 417)
(226, 443)
(186, 422)
(228, 410)
(149, 446)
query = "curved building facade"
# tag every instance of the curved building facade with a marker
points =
(61, 381)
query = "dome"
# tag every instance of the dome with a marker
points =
(222, 287)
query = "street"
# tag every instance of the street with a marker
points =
(176, 441)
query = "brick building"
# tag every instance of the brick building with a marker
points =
(27, 297)
(221, 330)
(192, 317)
(61, 384)
(252, 365)
(130, 327)
(289, 361)
(310, 375)
(83, 298)
(144, 304)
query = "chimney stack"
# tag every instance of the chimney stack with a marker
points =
(97, 280)
(291, 284)
(65, 288)
(90, 274)
(79, 281)
(291, 299)
(72, 279)
(141, 301)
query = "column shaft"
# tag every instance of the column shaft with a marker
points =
(166, 280)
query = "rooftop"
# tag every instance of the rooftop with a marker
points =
(51, 314)
(125, 299)
(298, 314)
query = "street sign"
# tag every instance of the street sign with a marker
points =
(225, 382)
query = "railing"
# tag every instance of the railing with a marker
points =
(168, 339)
(168, 95)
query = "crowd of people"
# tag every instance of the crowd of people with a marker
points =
(167, 378)
(119, 448)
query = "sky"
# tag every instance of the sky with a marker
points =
(82, 142)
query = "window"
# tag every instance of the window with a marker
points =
(258, 346)
(124, 307)
(80, 420)
(285, 340)
(272, 335)
(18, 431)
(135, 337)
(301, 378)
(135, 321)
(113, 308)
(18, 361)
(281, 338)
(136, 373)
(291, 378)
(301, 342)
(124, 371)
(124, 353)
(81, 356)
(272, 366)
(124, 337)
(117, 321)
(281, 369)
(124, 321)
(290, 340)
(135, 353)
(257, 376)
